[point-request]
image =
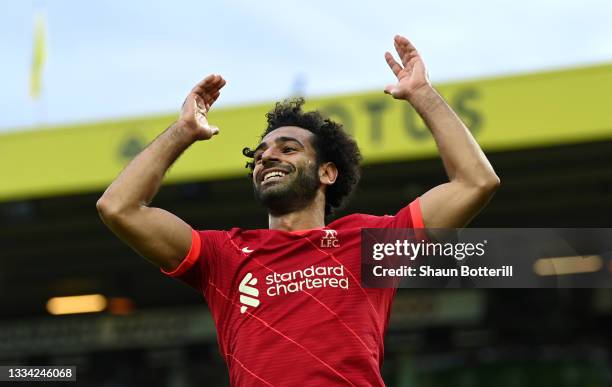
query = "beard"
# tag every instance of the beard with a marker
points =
(288, 196)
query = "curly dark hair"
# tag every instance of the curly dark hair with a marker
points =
(331, 143)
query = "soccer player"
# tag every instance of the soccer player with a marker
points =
(287, 301)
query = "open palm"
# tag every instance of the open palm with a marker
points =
(194, 114)
(411, 74)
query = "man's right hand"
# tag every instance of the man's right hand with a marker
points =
(195, 109)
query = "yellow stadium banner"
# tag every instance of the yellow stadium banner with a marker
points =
(504, 113)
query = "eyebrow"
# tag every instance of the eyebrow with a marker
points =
(286, 139)
(281, 139)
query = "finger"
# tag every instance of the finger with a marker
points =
(390, 89)
(211, 82)
(185, 102)
(200, 103)
(393, 65)
(215, 82)
(209, 91)
(405, 42)
(210, 98)
(218, 82)
(211, 128)
(208, 86)
(222, 82)
(218, 85)
(405, 49)
(399, 48)
(203, 83)
(189, 106)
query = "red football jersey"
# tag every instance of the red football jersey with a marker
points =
(289, 306)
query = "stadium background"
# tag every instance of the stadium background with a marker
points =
(547, 133)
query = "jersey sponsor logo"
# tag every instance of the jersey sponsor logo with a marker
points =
(249, 293)
(330, 239)
(306, 279)
(283, 284)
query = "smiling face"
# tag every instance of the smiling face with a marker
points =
(286, 173)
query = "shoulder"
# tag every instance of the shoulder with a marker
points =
(233, 232)
(409, 216)
(360, 220)
(220, 239)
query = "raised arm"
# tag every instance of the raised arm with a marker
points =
(156, 234)
(472, 180)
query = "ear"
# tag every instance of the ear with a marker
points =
(328, 173)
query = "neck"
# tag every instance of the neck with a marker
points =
(308, 217)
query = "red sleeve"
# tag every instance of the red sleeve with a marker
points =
(408, 217)
(194, 269)
(190, 259)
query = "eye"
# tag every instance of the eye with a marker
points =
(288, 149)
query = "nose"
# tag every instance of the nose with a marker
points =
(269, 156)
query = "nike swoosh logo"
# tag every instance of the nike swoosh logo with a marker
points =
(246, 250)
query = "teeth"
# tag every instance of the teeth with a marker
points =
(273, 174)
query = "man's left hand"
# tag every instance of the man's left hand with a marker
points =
(411, 74)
